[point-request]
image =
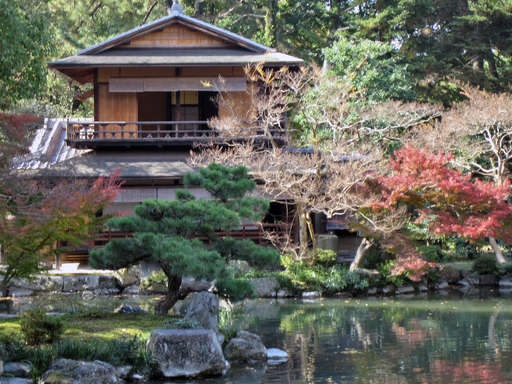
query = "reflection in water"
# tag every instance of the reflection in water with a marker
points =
(377, 341)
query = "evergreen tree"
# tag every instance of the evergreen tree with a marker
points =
(165, 232)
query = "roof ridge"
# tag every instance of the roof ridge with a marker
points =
(174, 16)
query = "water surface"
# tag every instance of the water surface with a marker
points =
(382, 341)
(386, 341)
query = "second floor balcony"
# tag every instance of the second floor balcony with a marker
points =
(84, 135)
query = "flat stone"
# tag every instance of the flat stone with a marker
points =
(127, 308)
(372, 291)
(276, 356)
(311, 294)
(186, 353)
(388, 290)
(265, 286)
(246, 347)
(404, 290)
(20, 292)
(442, 285)
(284, 293)
(131, 290)
(15, 380)
(106, 291)
(17, 369)
(66, 371)
(506, 282)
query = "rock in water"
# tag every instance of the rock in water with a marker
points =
(65, 371)
(17, 369)
(187, 353)
(246, 347)
(276, 356)
(203, 309)
(15, 380)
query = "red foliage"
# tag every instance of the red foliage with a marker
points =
(14, 130)
(476, 372)
(413, 266)
(452, 202)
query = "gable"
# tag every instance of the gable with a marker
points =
(176, 36)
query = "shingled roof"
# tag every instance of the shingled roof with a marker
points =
(238, 50)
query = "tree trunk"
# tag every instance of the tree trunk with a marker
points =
(361, 252)
(311, 231)
(303, 230)
(497, 251)
(173, 295)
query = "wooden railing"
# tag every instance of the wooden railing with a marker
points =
(85, 134)
(256, 232)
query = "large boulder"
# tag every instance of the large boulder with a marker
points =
(187, 353)
(189, 284)
(97, 283)
(203, 309)
(265, 286)
(40, 283)
(130, 276)
(246, 347)
(506, 281)
(450, 275)
(488, 280)
(66, 371)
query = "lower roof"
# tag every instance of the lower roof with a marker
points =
(122, 57)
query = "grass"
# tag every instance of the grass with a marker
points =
(107, 326)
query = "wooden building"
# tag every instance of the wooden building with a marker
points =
(154, 92)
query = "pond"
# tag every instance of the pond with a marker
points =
(417, 340)
(438, 340)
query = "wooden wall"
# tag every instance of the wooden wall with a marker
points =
(124, 106)
(117, 107)
(176, 36)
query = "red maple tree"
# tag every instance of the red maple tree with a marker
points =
(451, 202)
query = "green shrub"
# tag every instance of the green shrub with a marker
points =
(432, 252)
(326, 257)
(248, 250)
(37, 328)
(465, 249)
(485, 265)
(234, 289)
(180, 323)
(387, 278)
(301, 276)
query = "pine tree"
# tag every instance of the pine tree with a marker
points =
(166, 232)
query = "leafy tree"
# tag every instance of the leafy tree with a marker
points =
(450, 202)
(465, 39)
(34, 216)
(374, 68)
(25, 42)
(166, 232)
